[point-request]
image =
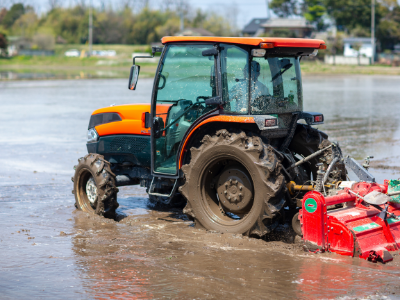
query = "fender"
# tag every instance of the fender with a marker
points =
(215, 118)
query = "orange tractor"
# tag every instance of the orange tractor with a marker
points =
(225, 133)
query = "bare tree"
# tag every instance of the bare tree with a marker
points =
(81, 3)
(167, 4)
(53, 4)
(123, 4)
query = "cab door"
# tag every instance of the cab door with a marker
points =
(185, 79)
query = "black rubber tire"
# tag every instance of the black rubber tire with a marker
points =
(94, 165)
(263, 168)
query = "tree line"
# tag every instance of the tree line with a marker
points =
(352, 17)
(110, 26)
(126, 26)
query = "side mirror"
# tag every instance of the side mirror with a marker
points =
(133, 77)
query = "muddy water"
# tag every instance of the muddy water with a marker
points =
(48, 249)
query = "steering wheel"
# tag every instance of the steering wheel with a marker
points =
(202, 97)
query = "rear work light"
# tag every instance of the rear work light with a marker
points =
(258, 52)
(271, 122)
(318, 119)
(266, 45)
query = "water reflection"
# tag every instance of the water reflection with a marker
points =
(110, 265)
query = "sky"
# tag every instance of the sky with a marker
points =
(246, 10)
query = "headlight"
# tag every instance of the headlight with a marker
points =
(103, 118)
(92, 135)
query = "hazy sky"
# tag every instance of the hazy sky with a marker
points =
(246, 10)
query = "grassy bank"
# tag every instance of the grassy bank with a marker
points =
(317, 68)
(59, 66)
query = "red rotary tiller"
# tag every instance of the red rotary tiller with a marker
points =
(368, 225)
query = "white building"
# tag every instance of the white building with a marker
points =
(351, 46)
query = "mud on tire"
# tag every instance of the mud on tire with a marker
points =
(94, 186)
(231, 165)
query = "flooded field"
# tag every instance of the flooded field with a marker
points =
(50, 250)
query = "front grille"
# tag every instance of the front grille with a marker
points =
(124, 144)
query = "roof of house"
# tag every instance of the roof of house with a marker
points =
(252, 41)
(254, 25)
(286, 23)
(354, 40)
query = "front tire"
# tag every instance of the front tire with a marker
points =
(94, 186)
(234, 184)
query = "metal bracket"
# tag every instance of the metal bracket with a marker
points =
(361, 173)
(153, 51)
(174, 188)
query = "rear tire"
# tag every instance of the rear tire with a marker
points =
(234, 184)
(94, 186)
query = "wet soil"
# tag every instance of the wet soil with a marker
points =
(50, 250)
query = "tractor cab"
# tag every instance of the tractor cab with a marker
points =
(196, 76)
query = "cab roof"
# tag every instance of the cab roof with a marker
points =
(251, 41)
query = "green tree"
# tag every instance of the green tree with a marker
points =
(350, 14)
(16, 11)
(199, 19)
(314, 11)
(3, 41)
(143, 30)
(218, 25)
(285, 8)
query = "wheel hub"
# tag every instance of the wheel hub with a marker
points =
(91, 190)
(235, 189)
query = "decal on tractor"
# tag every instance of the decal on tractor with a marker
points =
(310, 205)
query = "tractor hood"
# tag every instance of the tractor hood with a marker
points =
(122, 119)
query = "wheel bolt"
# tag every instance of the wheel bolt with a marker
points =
(240, 195)
(240, 187)
(225, 192)
(229, 198)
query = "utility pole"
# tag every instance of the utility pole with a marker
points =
(268, 11)
(180, 3)
(373, 30)
(90, 28)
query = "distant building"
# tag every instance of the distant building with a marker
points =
(397, 49)
(194, 32)
(254, 27)
(299, 28)
(18, 43)
(351, 46)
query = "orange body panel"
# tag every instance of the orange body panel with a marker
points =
(131, 115)
(221, 118)
(252, 41)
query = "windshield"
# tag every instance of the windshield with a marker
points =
(260, 85)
